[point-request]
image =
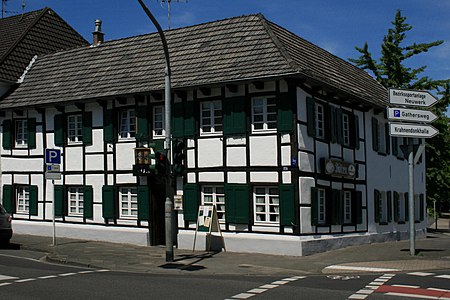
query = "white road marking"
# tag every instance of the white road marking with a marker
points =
(420, 274)
(407, 286)
(67, 274)
(265, 288)
(411, 295)
(371, 287)
(356, 268)
(25, 280)
(443, 276)
(4, 277)
(17, 280)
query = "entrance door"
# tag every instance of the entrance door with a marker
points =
(157, 221)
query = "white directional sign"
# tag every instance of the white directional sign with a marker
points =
(411, 115)
(411, 98)
(412, 130)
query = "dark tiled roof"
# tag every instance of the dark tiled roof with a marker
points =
(241, 48)
(34, 33)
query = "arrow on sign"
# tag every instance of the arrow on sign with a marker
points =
(411, 98)
(412, 115)
(412, 130)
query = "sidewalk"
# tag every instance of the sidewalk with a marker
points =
(433, 254)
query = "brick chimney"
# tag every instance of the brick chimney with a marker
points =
(97, 34)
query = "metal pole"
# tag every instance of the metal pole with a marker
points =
(168, 99)
(54, 221)
(412, 232)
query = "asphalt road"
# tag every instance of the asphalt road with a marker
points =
(26, 277)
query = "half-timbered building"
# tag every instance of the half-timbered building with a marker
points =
(288, 141)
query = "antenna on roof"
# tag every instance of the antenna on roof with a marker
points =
(168, 8)
(5, 11)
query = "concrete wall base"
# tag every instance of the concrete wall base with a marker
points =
(232, 242)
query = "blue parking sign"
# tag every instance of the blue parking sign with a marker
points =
(397, 113)
(53, 156)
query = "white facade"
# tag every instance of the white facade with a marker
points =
(290, 198)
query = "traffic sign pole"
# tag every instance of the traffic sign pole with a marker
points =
(412, 98)
(412, 229)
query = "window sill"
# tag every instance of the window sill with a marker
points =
(212, 134)
(263, 131)
(260, 223)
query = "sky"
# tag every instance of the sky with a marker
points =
(335, 25)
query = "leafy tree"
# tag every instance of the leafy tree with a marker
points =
(391, 71)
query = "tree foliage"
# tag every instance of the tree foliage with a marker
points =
(391, 70)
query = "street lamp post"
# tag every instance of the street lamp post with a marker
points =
(169, 211)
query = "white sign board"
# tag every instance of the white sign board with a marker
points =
(411, 98)
(412, 130)
(53, 175)
(411, 115)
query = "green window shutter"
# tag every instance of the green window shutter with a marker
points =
(336, 207)
(357, 204)
(422, 209)
(396, 203)
(314, 206)
(406, 207)
(109, 201)
(31, 126)
(311, 116)
(191, 201)
(339, 128)
(388, 138)
(375, 137)
(178, 120)
(234, 117)
(109, 135)
(395, 146)
(144, 196)
(88, 202)
(389, 206)
(237, 204)
(8, 199)
(285, 116)
(376, 203)
(59, 199)
(87, 128)
(59, 132)
(142, 132)
(189, 119)
(33, 208)
(242, 204)
(7, 134)
(287, 205)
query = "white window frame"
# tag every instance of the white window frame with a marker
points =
(319, 111)
(214, 195)
(75, 198)
(127, 124)
(75, 132)
(159, 118)
(23, 199)
(347, 207)
(211, 118)
(262, 110)
(267, 211)
(346, 129)
(321, 206)
(128, 203)
(21, 133)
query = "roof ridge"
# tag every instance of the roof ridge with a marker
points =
(279, 45)
(42, 12)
